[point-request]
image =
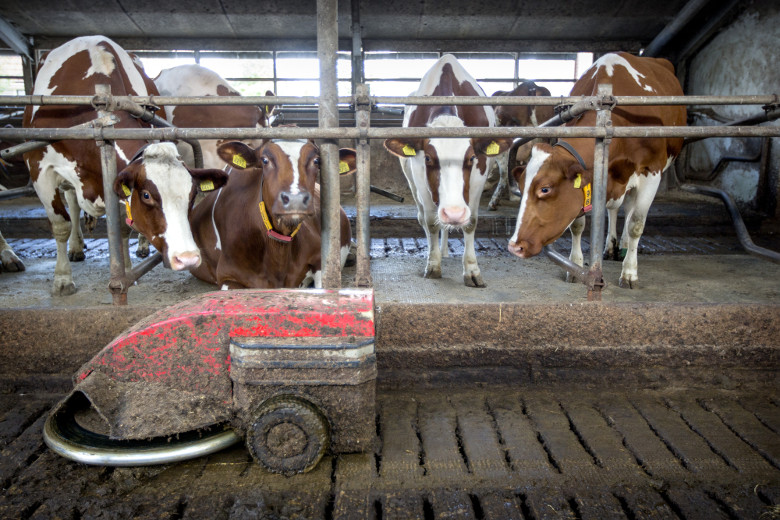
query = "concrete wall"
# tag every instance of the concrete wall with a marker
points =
(743, 59)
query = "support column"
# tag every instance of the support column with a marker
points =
(363, 187)
(327, 46)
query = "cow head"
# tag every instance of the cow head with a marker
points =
(159, 191)
(526, 115)
(289, 171)
(450, 166)
(554, 186)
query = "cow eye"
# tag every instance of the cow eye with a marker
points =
(428, 159)
(544, 191)
(265, 161)
(316, 161)
(147, 197)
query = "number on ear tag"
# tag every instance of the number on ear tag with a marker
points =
(126, 190)
(408, 150)
(206, 185)
(492, 148)
(239, 161)
(343, 167)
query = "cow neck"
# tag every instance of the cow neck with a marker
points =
(269, 228)
(586, 189)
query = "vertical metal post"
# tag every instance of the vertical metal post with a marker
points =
(357, 47)
(600, 168)
(327, 45)
(113, 222)
(363, 186)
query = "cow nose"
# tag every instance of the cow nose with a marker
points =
(455, 215)
(185, 260)
(295, 202)
(516, 248)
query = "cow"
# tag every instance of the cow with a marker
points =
(516, 115)
(263, 229)
(556, 183)
(73, 166)
(195, 80)
(446, 175)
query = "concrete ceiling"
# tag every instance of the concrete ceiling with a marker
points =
(395, 25)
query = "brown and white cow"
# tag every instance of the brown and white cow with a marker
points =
(263, 229)
(517, 115)
(557, 180)
(447, 175)
(73, 166)
(195, 80)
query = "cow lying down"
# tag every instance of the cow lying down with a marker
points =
(263, 228)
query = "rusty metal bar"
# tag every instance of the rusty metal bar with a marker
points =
(595, 280)
(736, 218)
(770, 99)
(172, 134)
(117, 284)
(363, 187)
(327, 47)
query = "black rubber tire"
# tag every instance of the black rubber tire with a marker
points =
(289, 435)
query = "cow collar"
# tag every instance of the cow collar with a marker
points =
(586, 190)
(269, 228)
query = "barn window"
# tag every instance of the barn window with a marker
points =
(11, 78)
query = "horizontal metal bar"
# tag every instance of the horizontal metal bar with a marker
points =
(15, 193)
(569, 266)
(171, 134)
(771, 99)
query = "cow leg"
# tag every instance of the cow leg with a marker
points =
(76, 238)
(63, 275)
(10, 262)
(647, 185)
(472, 276)
(444, 242)
(433, 264)
(142, 250)
(576, 228)
(501, 188)
(611, 245)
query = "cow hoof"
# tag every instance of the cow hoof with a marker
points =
(474, 280)
(11, 263)
(626, 283)
(492, 205)
(63, 289)
(90, 222)
(76, 256)
(432, 272)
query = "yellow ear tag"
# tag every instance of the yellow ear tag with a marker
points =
(586, 192)
(578, 181)
(206, 185)
(492, 148)
(239, 161)
(408, 150)
(127, 210)
(343, 167)
(126, 190)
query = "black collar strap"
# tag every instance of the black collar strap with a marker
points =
(566, 146)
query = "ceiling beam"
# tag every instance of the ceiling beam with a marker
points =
(14, 39)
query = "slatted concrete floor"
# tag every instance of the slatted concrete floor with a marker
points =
(503, 452)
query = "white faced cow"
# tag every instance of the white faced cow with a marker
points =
(447, 175)
(557, 181)
(74, 166)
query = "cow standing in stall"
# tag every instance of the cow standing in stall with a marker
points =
(447, 175)
(556, 184)
(159, 198)
(517, 115)
(195, 80)
(263, 229)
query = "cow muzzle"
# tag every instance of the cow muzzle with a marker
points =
(185, 260)
(294, 203)
(457, 216)
(524, 249)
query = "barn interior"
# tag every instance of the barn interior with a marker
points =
(518, 400)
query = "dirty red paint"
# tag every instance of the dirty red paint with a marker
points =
(186, 345)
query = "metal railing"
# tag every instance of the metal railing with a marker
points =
(363, 104)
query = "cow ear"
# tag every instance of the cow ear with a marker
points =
(208, 179)
(268, 110)
(237, 155)
(403, 148)
(518, 173)
(347, 161)
(125, 182)
(491, 147)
